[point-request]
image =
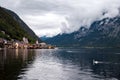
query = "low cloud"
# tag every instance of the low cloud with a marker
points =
(52, 17)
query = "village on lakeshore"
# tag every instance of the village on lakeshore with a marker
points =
(15, 44)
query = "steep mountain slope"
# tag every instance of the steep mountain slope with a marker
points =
(105, 32)
(102, 33)
(12, 27)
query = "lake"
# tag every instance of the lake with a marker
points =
(60, 64)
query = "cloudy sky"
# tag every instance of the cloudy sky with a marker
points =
(52, 17)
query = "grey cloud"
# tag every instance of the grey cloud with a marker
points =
(76, 13)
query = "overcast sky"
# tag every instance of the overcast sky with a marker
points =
(52, 17)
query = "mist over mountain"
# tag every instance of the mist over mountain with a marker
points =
(102, 33)
(12, 27)
(67, 39)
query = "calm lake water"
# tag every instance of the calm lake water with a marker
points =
(60, 64)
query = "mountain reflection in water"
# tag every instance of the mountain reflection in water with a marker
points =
(60, 64)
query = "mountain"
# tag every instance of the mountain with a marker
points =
(102, 33)
(12, 27)
(105, 32)
(67, 39)
(43, 38)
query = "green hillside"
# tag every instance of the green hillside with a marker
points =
(11, 29)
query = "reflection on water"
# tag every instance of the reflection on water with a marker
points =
(12, 61)
(60, 64)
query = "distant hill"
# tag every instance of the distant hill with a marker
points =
(102, 33)
(66, 39)
(12, 27)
